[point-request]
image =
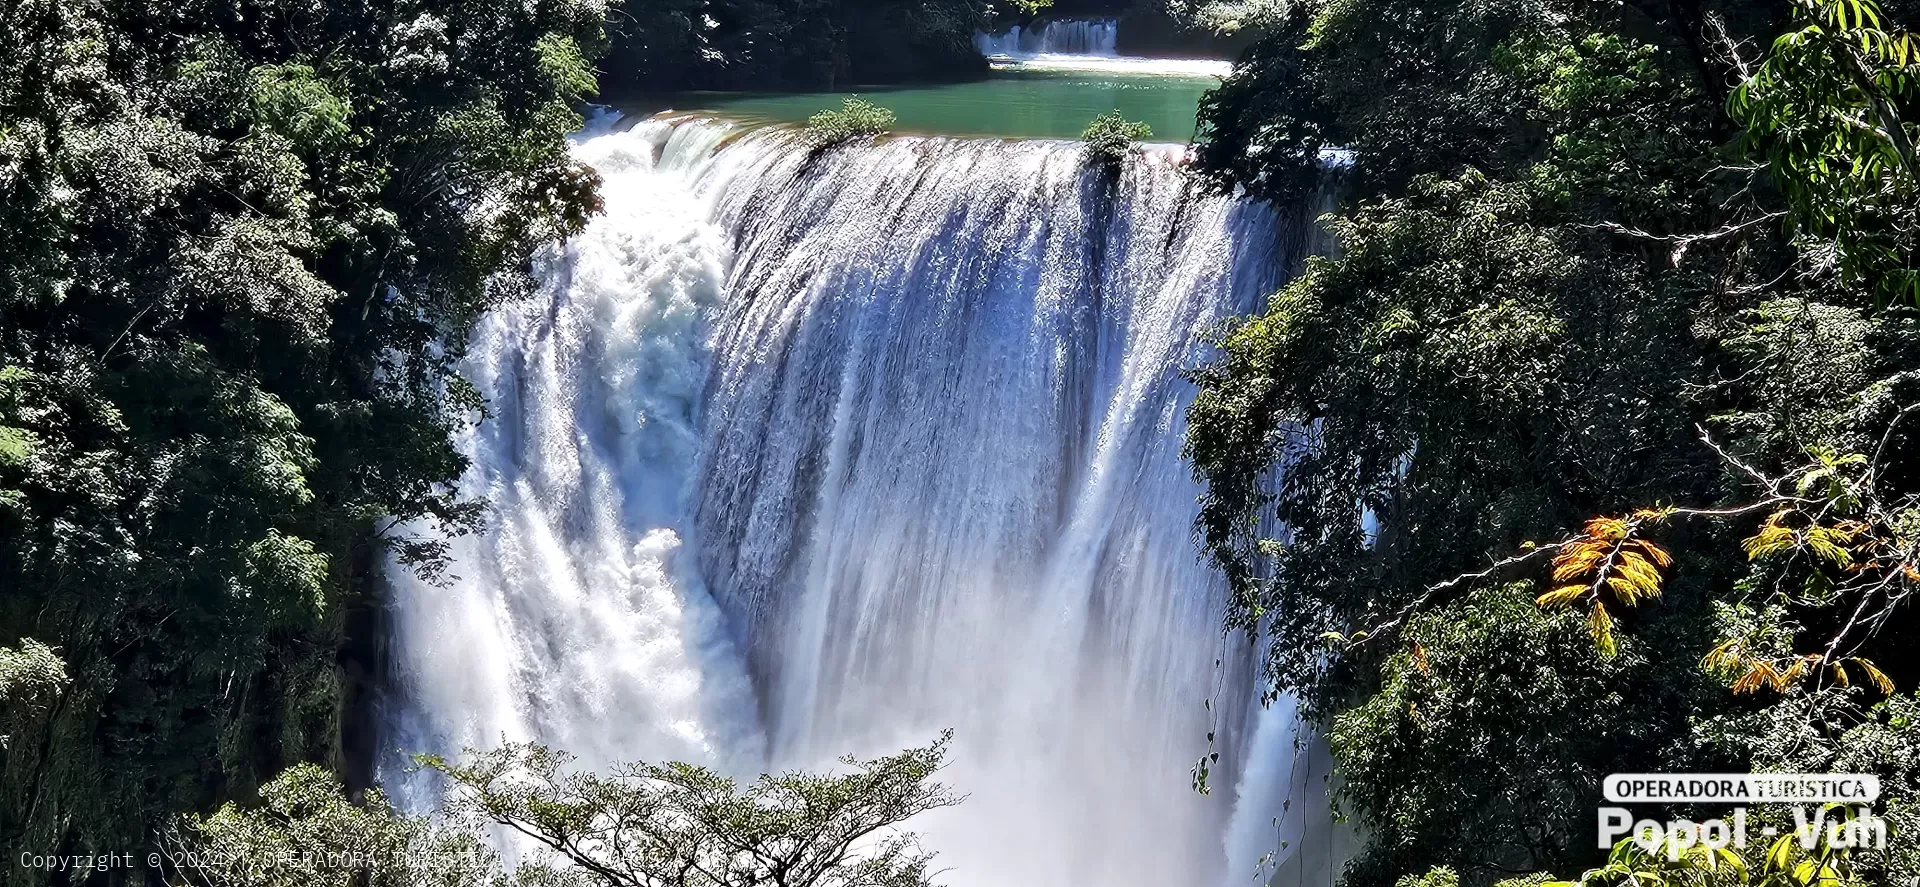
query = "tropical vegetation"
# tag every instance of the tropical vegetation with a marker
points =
(1583, 449)
(855, 118)
(1111, 138)
(1584, 446)
(641, 825)
(239, 246)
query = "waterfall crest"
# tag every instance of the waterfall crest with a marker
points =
(1083, 46)
(795, 456)
(1057, 37)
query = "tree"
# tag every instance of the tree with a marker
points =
(304, 832)
(1830, 109)
(653, 825)
(30, 676)
(241, 244)
(795, 44)
(1111, 139)
(1556, 258)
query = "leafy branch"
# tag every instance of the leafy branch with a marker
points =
(1828, 521)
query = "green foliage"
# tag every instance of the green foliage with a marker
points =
(1460, 371)
(1550, 272)
(1438, 876)
(684, 824)
(855, 118)
(1828, 110)
(1780, 862)
(1111, 138)
(635, 826)
(30, 676)
(240, 246)
(304, 832)
(1490, 732)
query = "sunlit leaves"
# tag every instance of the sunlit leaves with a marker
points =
(1675, 856)
(1834, 478)
(1830, 544)
(1476, 686)
(293, 101)
(29, 676)
(1610, 562)
(1111, 138)
(855, 118)
(304, 831)
(564, 66)
(1757, 655)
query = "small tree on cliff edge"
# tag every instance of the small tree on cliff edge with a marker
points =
(1111, 139)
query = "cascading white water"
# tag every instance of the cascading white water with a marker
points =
(1058, 36)
(1083, 45)
(574, 618)
(893, 430)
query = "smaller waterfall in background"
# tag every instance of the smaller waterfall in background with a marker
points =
(1086, 45)
(800, 454)
(1057, 37)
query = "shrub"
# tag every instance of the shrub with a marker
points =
(854, 119)
(1111, 137)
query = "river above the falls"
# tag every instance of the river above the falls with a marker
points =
(1041, 96)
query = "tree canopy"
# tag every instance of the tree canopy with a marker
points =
(637, 825)
(241, 245)
(1582, 449)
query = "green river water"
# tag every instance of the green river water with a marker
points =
(1038, 99)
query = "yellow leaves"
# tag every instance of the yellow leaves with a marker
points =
(1724, 658)
(1751, 674)
(1635, 576)
(1878, 678)
(1654, 515)
(1581, 559)
(1562, 597)
(1608, 529)
(1652, 552)
(1600, 624)
(1780, 855)
(1772, 539)
(1816, 873)
(1831, 544)
(1759, 676)
(1794, 672)
(1610, 560)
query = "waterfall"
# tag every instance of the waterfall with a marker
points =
(797, 455)
(1082, 45)
(1056, 37)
